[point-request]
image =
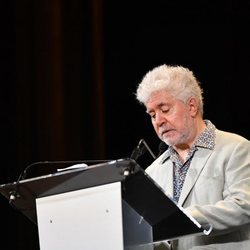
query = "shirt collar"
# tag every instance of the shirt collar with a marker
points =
(205, 140)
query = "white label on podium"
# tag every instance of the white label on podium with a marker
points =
(86, 219)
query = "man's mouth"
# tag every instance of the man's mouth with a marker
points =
(165, 131)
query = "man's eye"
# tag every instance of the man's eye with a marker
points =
(164, 110)
(152, 115)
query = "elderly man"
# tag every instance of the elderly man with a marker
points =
(205, 170)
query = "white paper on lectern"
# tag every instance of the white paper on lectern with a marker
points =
(89, 218)
(80, 165)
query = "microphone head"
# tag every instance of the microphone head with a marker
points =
(162, 147)
(140, 150)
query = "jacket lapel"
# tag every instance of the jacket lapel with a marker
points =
(169, 190)
(197, 164)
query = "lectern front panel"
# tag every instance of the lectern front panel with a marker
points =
(89, 218)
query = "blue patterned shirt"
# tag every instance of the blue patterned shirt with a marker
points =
(205, 140)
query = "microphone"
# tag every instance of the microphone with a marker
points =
(162, 147)
(25, 172)
(141, 148)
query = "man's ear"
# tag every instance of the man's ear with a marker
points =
(193, 106)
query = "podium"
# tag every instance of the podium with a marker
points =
(111, 205)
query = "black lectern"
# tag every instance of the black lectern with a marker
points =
(108, 205)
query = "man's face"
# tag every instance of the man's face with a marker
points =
(172, 119)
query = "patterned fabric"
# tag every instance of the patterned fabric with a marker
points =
(205, 140)
(180, 171)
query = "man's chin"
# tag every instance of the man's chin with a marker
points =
(167, 141)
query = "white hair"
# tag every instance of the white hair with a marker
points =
(179, 81)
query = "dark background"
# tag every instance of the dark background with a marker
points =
(69, 71)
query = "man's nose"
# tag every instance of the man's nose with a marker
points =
(159, 119)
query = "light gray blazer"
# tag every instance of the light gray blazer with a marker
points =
(216, 191)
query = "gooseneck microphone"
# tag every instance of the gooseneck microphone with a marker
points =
(24, 173)
(141, 148)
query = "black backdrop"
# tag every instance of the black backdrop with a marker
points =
(69, 70)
